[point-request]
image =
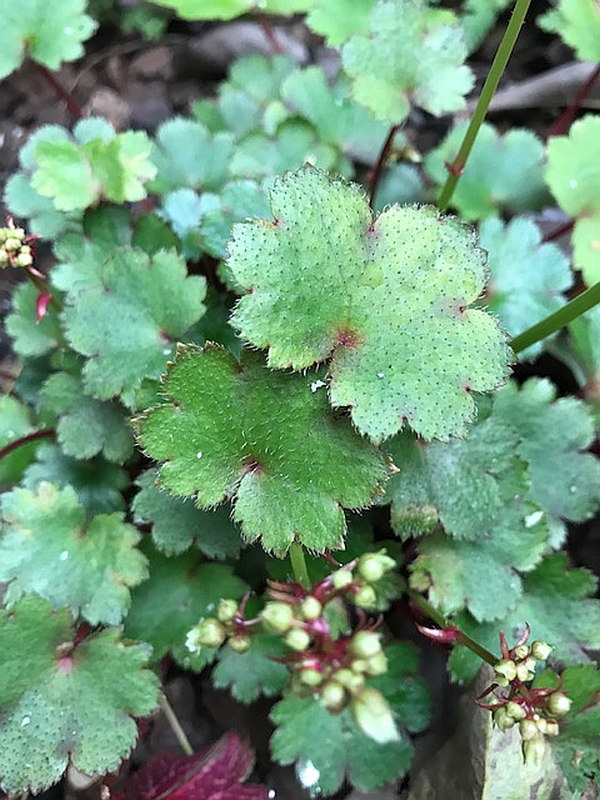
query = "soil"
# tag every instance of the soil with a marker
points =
(139, 84)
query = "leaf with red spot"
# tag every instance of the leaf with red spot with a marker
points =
(215, 774)
(66, 699)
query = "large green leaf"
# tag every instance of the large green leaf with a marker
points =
(267, 441)
(389, 303)
(62, 703)
(48, 547)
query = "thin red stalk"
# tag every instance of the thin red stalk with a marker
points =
(560, 231)
(377, 172)
(270, 34)
(72, 105)
(564, 122)
(31, 437)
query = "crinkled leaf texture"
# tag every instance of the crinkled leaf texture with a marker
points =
(177, 524)
(527, 276)
(329, 748)
(265, 439)
(86, 427)
(573, 175)
(558, 605)
(337, 20)
(478, 490)
(577, 22)
(62, 703)
(388, 303)
(76, 171)
(214, 774)
(49, 32)
(255, 672)
(127, 321)
(181, 591)
(412, 54)
(502, 173)
(47, 547)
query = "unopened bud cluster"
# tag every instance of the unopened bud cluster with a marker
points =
(14, 248)
(358, 578)
(534, 709)
(228, 626)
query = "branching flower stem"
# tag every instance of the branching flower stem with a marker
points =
(426, 607)
(456, 168)
(573, 309)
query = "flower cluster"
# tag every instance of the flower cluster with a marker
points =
(516, 701)
(335, 668)
(15, 247)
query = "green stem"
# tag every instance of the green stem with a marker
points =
(299, 567)
(461, 637)
(489, 87)
(175, 725)
(574, 308)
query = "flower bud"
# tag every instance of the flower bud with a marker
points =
(341, 578)
(377, 664)
(297, 639)
(23, 259)
(523, 672)
(351, 680)
(534, 750)
(503, 719)
(552, 728)
(365, 644)
(12, 244)
(365, 597)
(528, 729)
(311, 677)
(542, 724)
(227, 610)
(3, 256)
(541, 650)
(515, 710)
(278, 617)
(559, 704)
(333, 696)
(374, 716)
(310, 608)
(373, 566)
(359, 665)
(507, 669)
(522, 651)
(207, 633)
(240, 643)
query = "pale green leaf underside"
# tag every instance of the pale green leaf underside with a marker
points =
(411, 55)
(577, 22)
(573, 175)
(127, 323)
(47, 547)
(265, 440)
(49, 31)
(57, 711)
(387, 300)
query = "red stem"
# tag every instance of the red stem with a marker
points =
(387, 146)
(67, 98)
(560, 231)
(271, 38)
(31, 437)
(563, 123)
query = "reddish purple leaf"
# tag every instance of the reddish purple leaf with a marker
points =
(214, 774)
(447, 635)
(41, 305)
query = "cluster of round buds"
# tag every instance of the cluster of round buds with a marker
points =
(357, 578)
(515, 702)
(229, 626)
(15, 248)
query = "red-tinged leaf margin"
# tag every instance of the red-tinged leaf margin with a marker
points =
(213, 774)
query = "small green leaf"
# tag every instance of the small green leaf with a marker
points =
(15, 422)
(47, 547)
(177, 524)
(527, 277)
(573, 175)
(250, 674)
(265, 439)
(97, 483)
(411, 54)
(86, 427)
(181, 590)
(502, 173)
(553, 593)
(49, 33)
(337, 21)
(577, 22)
(63, 703)
(127, 324)
(31, 338)
(389, 304)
